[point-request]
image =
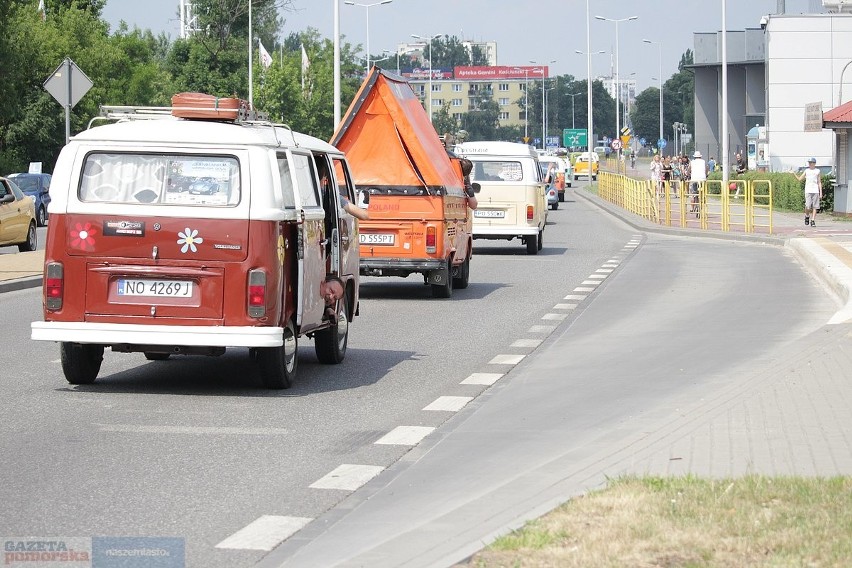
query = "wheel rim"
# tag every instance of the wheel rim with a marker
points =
(342, 329)
(289, 350)
(42, 216)
(31, 238)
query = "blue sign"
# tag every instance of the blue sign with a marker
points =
(661, 143)
(642, 141)
(536, 141)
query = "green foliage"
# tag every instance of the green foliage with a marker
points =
(788, 193)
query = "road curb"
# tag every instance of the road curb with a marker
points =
(20, 284)
(830, 270)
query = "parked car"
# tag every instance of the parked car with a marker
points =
(17, 217)
(36, 186)
(204, 186)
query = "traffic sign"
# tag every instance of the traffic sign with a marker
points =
(68, 84)
(572, 137)
(616, 144)
(661, 143)
(642, 141)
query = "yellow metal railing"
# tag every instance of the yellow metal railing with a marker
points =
(741, 205)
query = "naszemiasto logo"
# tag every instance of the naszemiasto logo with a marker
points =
(124, 228)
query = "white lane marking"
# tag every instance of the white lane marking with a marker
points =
(575, 297)
(541, 328)
(596, 276)
(506, 360)
(482, 379)
(196, 430)
(405, 435)
(614, 260)
(347, 477)
(56, 361)
(609, 265)
(554, 317)
(589, 283)
(526, 343)
(604, 270)
(265, 533)
(565, 306)
(448, 403)
(583, 289)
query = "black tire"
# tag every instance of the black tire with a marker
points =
(562, 195)
(540, 240)
(532, 244)
(330, 343)
(278, 364)
(463, 279)
(81, 362)
(32, 240)
(156, 356)
(444, 290)
(41, 217)
(555, 206)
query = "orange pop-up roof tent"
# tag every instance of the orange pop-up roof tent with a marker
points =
(389, 141)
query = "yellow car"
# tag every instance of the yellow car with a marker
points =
(581, 165)
(17, 217)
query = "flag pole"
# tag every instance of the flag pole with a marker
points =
(251, 48)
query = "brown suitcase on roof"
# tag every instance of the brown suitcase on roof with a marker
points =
(201, 105)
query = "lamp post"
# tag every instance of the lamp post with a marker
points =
(617, 84)
(572, 95)
(546, 122)
(660, 46)
(543, 108)
(429, 39)
(588, 53)
(367, 9)
(526, 101)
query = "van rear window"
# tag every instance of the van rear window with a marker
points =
(496, 170)
(151, 179)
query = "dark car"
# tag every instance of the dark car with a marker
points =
(204, 186)
(35, 186)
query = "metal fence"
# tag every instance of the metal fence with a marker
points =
(742, 205)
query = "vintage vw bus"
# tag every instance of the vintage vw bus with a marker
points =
(173, 236)
(512, 202)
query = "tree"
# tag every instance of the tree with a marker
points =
(645, 114)
(483, 121)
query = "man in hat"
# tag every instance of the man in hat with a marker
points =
(813, 191)
(698, 169)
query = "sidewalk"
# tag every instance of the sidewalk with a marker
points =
(21, 270)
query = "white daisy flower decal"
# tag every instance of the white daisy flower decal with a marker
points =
(189, 238)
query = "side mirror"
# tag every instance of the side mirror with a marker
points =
(476, 187)
(363, 198)
(8, 198)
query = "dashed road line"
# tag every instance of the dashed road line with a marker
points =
(589, 283)
(542, 328)
(405, 435)
(526, 343)
(575, 297)
(265, 533)
(604, 270)
(596, 276)
(506, 359)
(486, 379)
(554, 317)
(583, 289)
(448, 403)
(565, 307)
(347, 477)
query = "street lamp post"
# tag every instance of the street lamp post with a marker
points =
(429, 39)
(588, 53)
(526, 101)
(543, 107)
(367, 9)
(660, 46)
(617, 84)
(572, 95)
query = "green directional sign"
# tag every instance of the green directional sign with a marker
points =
(575, 137)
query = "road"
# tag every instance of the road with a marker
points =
(194, 448)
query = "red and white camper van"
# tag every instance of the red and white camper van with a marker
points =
(173, 235)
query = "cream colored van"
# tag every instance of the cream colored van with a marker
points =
(511, 201)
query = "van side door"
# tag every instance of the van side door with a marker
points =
(347, 226)
(312, 258)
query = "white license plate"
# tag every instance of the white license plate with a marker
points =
(376, 238)
(489, 213)
(155, 288)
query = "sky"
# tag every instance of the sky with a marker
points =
(525, 30)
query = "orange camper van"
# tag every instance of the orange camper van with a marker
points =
(420, 221)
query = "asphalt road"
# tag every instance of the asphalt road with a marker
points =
(195, 448)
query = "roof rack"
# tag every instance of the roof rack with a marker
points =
(122, 113)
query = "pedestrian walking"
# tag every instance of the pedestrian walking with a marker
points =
(656, 174)
(741, 168)
(698, 175)
(813, 191)
(667, 173)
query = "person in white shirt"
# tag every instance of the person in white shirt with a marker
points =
(656, 173)
(698, 169)
(813, 191)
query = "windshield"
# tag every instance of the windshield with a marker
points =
(502, 170)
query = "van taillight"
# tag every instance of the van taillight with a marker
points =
(431, 238)
(257, 293)
(54, 284)
(529, 212)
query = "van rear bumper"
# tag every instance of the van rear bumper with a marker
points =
(184, 335)
(400, 267)
(503, 232)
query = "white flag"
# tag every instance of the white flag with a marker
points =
(305, 64)
(265, 58)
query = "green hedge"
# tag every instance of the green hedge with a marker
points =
(788, 193)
